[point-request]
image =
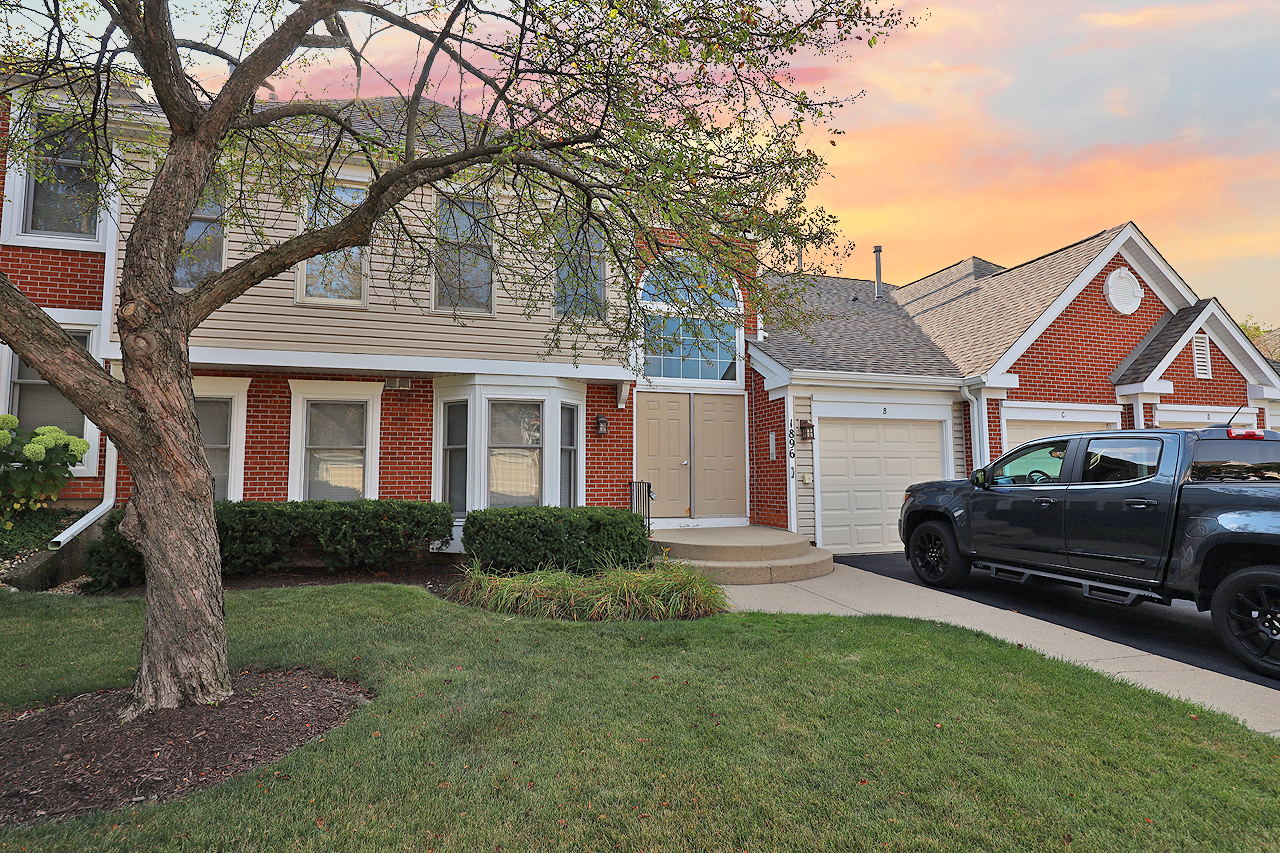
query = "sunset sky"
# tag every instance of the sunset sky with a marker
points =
(1007, 130)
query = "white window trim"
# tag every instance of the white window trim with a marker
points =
(436, 201)
(579, 497)
(88, 466)
(479, 392)
(675, 384)
(226, 242)
(306, 390)
(235, 389)
(300, 271)
(14, 215)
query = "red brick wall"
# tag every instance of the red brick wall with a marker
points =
(1226, 388)
(56, 278)
(767, 478)
(1148, 414)
(966, 409)
(1073, 357)
(404, 461)
(1126, 416)
(995, 435)
(610, 459)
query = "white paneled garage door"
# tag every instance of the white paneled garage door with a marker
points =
(864, 465)
(1020, 432)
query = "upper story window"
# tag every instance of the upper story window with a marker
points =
(684, 346)
(61, 198)
(202, 248)
(338, 277)
(581, 274)
(464, 257)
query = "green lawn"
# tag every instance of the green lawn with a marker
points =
(736, 732)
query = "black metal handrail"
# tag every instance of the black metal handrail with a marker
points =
(641, 495)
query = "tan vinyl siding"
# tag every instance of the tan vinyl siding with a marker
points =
(802, 410)
(270, 317)
(957, 438)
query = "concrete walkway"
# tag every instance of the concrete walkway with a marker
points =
(853, 592)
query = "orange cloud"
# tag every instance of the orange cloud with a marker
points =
(935, 192)
(1153, 17)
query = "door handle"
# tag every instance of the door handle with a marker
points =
(1139, 503)
(1044, 501)
(685, 462)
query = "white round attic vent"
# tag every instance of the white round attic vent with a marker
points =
(1123, 291)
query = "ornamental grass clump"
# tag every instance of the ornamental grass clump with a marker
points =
(666, 589)
(34, 467)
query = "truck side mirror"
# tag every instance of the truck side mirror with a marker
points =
(979, 478)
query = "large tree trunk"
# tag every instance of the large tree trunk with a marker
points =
(170, 520)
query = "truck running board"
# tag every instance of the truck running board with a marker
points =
(1112, 593)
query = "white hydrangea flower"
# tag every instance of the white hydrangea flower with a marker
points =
(49, 430)
(33, 451)
(6, 438)
(78, 446)
(49, 441)
(8, 422)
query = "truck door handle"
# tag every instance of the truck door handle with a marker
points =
(1139, 503)
(1044, 501)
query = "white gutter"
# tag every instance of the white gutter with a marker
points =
(977, 424)
(108, 501)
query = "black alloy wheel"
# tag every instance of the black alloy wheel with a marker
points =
(1246, 615)
(935, 557)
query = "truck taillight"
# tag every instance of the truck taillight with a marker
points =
(1246, 433)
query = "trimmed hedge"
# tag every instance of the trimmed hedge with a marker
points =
(574, 539)
(260, 536)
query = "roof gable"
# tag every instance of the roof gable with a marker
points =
(977, 319)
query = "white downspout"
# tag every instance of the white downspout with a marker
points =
(978, 421)
(108, 501)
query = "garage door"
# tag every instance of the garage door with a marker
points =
(864, 465)
(1020, 432)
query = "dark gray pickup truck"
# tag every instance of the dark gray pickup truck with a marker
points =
(1129, 516)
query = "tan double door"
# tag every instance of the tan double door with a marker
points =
(692, 449)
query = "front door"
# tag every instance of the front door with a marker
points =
(662, 451)
(720, 456)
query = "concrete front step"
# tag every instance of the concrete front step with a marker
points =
(812, 565)
(745, 555)
(738, 544)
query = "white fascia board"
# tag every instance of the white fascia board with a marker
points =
(1136, 243)
(847, 379)
(1241, 352)
(998, 380)
(1262, 392)
(1027, 411)
(1143, 253)
(889, 410)
(775, 375)
(1151, 386)
(341, 362)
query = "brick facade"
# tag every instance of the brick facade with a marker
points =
(610, 459)
(1071, 360)
(767, 480)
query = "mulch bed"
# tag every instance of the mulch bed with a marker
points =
(78, 757)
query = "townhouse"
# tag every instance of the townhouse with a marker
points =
(325, 382)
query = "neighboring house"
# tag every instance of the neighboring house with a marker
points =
(317, 384)
(946, 373)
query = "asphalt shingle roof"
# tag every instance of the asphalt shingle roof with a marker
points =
(975, 318)
(1152, 349)
(1270, 344)
(859, 334)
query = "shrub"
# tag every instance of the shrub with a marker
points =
(572, 539)
(669, 589)
(31, 531)
(261, 536)
(34, 466)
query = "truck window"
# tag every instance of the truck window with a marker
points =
(1218, 459)
(1041, 463)
(1119, 460)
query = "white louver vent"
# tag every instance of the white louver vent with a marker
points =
(1200, 356)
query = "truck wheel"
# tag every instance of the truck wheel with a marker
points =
(1246, 615)
(935, 556)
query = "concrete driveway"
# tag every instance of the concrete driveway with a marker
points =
(1172, 650)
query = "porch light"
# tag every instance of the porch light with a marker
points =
(806, 430)
(602, 425)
